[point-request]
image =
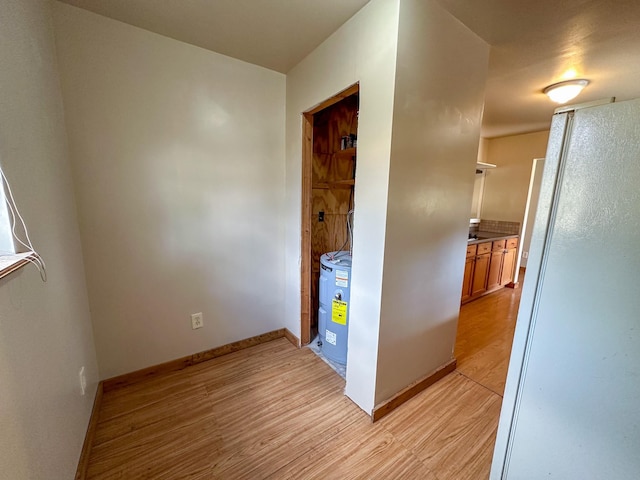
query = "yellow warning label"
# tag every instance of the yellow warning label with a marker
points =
(339, 312)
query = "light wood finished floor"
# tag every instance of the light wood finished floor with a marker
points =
(277, 412)
(485, 335)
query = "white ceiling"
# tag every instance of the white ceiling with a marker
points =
(534, 43)
(275, 34)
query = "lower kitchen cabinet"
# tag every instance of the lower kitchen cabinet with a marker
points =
(468, 277)
(509, 261)
(495, 270)
(469, 265)
(488, 267)
(481, 269)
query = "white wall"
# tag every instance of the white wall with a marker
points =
(506, 187)
(7, 245)
(478, 191)
(528, 220)
(177, 155)
(364, 50)
(436, 132)
(45, 329)
(435, 142)
(483, 148)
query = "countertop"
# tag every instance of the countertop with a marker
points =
(489, 237)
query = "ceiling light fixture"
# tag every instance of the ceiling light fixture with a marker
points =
(562, 92)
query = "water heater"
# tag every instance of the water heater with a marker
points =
(334, 298)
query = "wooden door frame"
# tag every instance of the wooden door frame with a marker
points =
(305, 237)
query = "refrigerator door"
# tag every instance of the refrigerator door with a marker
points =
(572, 402)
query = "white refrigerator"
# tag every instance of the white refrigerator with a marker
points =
(571, 407)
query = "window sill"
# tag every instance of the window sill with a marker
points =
(11, 263)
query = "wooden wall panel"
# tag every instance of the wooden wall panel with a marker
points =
(327, 236)
(321, 162)
(337, 200)
(333, 123)
(333, 167)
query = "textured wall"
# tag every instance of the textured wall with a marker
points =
(436, 131)
(506, 187)
(45, 328)
(363, 50)
(178, 162)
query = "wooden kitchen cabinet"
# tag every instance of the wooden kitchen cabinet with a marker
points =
(489, 266)
(476, 267)
(509, 261)
(468, 272)
(495, 265)
(468, 276)
(480, 275)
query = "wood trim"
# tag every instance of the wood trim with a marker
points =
(14, 262)
(512, 285)
(295, 341)
(411, 391)
(83, 463)
(347, 92)
(184, 362)
(305, 235)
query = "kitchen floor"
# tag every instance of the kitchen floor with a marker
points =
(485, 335)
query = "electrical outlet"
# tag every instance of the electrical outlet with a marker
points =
(196, 321)
(83, 381)
(525, 254)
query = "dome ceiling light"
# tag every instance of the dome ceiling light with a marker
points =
(562, 92)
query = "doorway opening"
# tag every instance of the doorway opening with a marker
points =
(487, 322)
(329, 145)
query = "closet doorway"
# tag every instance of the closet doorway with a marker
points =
(329, 145)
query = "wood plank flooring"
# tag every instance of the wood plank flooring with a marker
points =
(276, 412)
(485, 335)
